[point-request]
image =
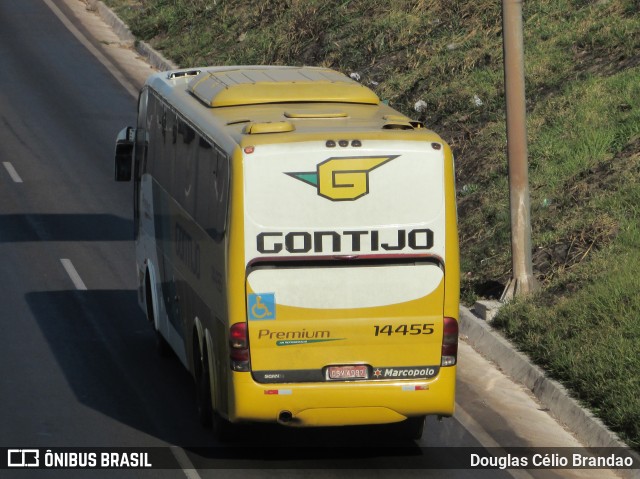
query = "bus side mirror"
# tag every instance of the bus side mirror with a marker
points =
(124, 154)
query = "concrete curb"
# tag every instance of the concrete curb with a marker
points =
(111, 19)
(156, 59)
(587, 428)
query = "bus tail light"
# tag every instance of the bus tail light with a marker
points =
(239, 347)
(449, 342)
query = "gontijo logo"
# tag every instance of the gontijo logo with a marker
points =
(343, 179)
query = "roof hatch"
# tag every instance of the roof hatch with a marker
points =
(218, 88)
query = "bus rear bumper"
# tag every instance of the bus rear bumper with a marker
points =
(341, 403)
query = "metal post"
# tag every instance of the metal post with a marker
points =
(523, 281)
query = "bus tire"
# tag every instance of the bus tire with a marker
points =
(162, 346)
(203, 385)
(412, 428)
(223, 430)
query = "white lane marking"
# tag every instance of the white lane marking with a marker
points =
(73, 274)
(12, 172)
(484, 438)
(133, 91)
(183, 460)
(185, 463)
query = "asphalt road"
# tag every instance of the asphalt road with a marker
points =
(78, 366)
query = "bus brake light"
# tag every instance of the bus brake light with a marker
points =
(449, 342)
(239, 347)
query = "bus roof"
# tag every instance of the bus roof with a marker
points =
(230, 103)
(252, 86)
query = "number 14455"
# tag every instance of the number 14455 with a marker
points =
(404, 329)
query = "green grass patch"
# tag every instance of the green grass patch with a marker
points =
(589, 339)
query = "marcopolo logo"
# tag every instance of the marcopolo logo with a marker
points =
(343, 179)
(418, 372)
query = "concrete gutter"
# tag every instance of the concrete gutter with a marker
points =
(156, 59)
(588, 429)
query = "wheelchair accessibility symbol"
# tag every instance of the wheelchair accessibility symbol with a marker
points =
(262, 306)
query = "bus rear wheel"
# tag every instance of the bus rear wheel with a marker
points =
(412, 428)
(223, 430)
(162, 346)
(203, 386)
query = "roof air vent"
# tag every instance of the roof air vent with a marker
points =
(268, 127)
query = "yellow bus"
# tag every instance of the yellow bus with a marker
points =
(296, 246)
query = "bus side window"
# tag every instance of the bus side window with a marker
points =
(203, 179)
(221, 188)
(141, 136)
(184, 179)
(154, 131)
(211, 189)
(165, 152)
(139, 158)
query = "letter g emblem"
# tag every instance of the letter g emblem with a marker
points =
(343, 179)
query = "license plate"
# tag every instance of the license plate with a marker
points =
(337, 373)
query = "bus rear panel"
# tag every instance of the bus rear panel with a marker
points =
(345, 253)
(296, 246)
